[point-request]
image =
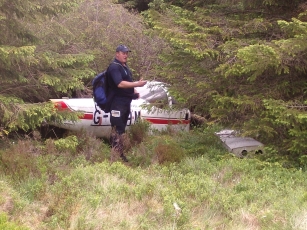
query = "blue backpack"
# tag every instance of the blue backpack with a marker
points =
(100, 91)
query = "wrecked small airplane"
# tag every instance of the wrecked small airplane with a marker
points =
(150, 106)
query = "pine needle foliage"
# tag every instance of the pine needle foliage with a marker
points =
(31, 71)
(239, 62)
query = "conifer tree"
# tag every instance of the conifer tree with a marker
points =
(30, 73)
(240, 62)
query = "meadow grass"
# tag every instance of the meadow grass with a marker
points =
(73, 185)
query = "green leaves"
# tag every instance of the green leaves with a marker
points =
(224, 60)
(293, 119)
(31, 72)
(294, 28)
(25, 116)
(11, 55)
(253, 61)
(55, 60)
(67, 144)
(5, 223)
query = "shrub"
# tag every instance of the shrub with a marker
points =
(20, 160)
(138, 132)
(167, 151)
(79, 144)
(69, 143)
(93, 148)
(5, 224)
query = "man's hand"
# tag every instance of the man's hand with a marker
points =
(141, 82)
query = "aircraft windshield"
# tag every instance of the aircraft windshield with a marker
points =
(153, 92)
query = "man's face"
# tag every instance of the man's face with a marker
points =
(122, 56)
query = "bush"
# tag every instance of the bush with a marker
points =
(19, 161)
(167, 151)
(5, 224)
(138, 132)
(80, 144)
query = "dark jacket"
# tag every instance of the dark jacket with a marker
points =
(117, 73)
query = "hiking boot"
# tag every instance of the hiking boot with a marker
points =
(124, 158)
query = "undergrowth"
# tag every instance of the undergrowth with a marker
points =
(5, 224)
(172, 181)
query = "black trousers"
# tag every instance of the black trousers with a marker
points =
(119, 117)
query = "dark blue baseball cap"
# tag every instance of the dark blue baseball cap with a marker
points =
(122, 48)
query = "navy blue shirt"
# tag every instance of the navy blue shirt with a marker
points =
(117, 73)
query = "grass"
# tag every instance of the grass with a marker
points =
(203, 188)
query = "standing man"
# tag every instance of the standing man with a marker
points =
(122, 87)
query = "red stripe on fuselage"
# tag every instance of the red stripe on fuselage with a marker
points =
(167, 121)
(87, 116)
(161, 121)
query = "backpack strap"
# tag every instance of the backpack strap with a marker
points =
(121, 66)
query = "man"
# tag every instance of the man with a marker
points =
(122, 87)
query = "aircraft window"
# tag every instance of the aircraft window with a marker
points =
(156, 94)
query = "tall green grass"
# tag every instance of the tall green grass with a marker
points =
(202, 187)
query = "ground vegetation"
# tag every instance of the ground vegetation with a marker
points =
(172, 181)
